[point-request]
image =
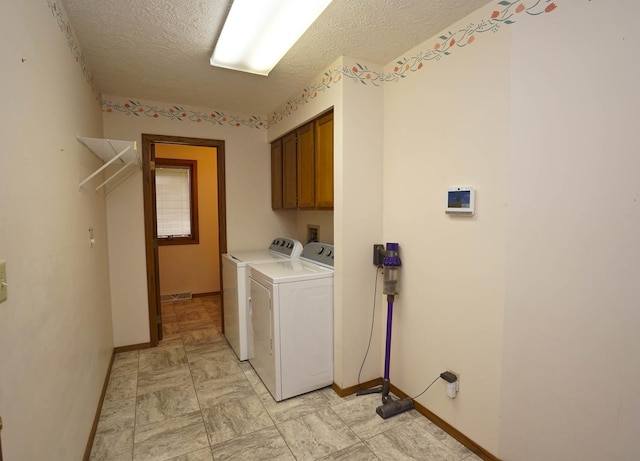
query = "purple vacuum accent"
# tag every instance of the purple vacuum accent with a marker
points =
(391, 264)
(391, 258)
(387, 351)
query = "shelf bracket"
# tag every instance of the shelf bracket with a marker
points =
(116, 151)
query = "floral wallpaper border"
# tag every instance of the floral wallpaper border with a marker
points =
(505, 13)
(447, 42)
(180, 113)
(65, 27)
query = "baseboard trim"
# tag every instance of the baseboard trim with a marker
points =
(132, 347)
(353, 389)
(96, 418)
(448, 428)
(424, 411)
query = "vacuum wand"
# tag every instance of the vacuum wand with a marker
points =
(390, 406)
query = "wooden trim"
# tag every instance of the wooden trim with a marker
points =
(202, 295)
(448, 428)
(151, 250)
(96, 418)
(353, 389)
(222, 218)
(153, 278)
(132, 347)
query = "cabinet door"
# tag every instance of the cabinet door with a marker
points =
(324, 161)
(306, 167)
(289, 172)
(276, 174)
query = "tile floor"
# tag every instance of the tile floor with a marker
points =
(190, 399)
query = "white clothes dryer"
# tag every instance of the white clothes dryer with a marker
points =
(235, 288)
(291, 322)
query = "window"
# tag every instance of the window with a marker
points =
(176, 201)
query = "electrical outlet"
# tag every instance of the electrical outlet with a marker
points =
(313, 233)
(3, 281)
(457, 383)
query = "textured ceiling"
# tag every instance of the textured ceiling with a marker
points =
(159, 49)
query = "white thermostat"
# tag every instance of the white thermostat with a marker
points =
(461, 201)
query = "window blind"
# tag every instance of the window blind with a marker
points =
(173, 202)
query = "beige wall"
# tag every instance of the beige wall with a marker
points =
(194, 268)
(358, 225)
(55, 328)
(534, 299)
(321, 218)
(571, 366)
(447, 125)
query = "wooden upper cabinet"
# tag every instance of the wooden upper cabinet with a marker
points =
(302, 167)
(306, 166)
(324, 161)
(289, 172)
(276, 174)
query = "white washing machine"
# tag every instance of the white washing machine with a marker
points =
(235, 288)
(291, 322)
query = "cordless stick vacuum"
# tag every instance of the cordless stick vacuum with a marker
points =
(390, 406)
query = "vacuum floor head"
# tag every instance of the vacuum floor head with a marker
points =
(394, 407)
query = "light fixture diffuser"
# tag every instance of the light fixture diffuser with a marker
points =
(257, 34)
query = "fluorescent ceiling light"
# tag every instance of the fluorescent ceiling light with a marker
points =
(258, 33)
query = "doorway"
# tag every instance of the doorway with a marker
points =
(149, 142)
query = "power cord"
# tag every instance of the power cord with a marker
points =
(447, 376)
(373, 317)
(427, 388)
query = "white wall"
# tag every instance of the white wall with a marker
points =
(248, 199)
(55, 327)
(571, 368)
(446, 125)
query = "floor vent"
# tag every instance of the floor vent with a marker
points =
(175, 297)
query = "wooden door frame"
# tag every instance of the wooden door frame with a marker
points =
(153, 282)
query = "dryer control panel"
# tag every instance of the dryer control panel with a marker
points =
(318, 253)
(286, 246)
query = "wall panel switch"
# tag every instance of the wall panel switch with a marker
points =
(3, 281)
